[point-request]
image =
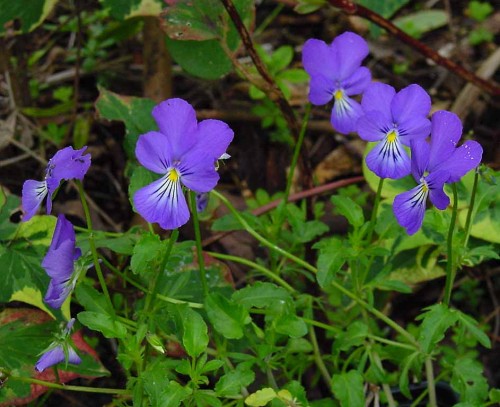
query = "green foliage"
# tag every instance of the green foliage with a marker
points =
(479, 10)
(420, 22)
(348, 388)
(29, 13)
(227, 317)
(122, 9)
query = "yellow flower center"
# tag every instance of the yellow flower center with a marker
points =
(392, 136)
(425, 188)
(173, 175)
(338, 95)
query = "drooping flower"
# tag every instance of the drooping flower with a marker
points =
(434, 164)
(59, 263)
(393, 120)
(336, 72)
(184, 152)
(59, 351)
(65, 165)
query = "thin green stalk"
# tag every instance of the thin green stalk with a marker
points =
(268, 273)
(153, 288)
(450, 270)
(385, 386)
(57, 386)
(326, 327)
(391, 343)
(145, 290)
(429, 372)
(93, 249)
(468, 222)
(318, 359)
(268, 20)
(376, 204)
(199, 247)
(313, 269)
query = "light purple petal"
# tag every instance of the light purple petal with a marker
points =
(350, 49)
(378, 97)
(162, 202)
(212, 139)
(59, 263)
(321, 90)
(32, 197)
(417, 127)
(412, 101)
(435, 181)
(464, 158)
(345, 114)
(50, 358)
(446, 131)
(357, 82)
(68, 164)
(153, 151)
(388, 159)
(409, 208)
(62, 232)
(176, 119)
(419, 158)
(372, 126)
(198, 173)
(57, 292)
(319, 59)
(73, 356)
(201, 201)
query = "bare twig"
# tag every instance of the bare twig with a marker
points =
(351, 8)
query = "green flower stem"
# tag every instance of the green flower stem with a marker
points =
(313, 269)
(151, 294)
(199, 248)
(93, 249)
(468, 222)
(322, 325)
(375, 210)
(391, 343)
(144, 289)
(450, 270)
(106, 233)
(429, 373)
(318, 358)
(260, 238)
(268, 273)
(85, 389)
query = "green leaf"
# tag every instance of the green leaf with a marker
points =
(471, 325)
(107, 325)
(156, 381)
(479, 10)
(134, 112)
(494, 395)
(227, 317)
(348, 388)
(420, 22)
(92, 300)
(435, 322)
(30, 13)
(468, 380)
(195, 335)
(140, 178)
(331, 258)
(233, 381)
(175, 394)
(147, 250)
(260, 397)
(354, 336)
(123, 9)
(291, 325)
(260, 295)
(408, 363)
(386, 8)
(350, 209)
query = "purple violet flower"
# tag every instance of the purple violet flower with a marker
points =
(59, 351)
(434, 164)
(393, 120)
(184, 152)
(65, 165)
(59, 263)
(336, 72)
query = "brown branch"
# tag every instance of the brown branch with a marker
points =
(355, 9)
(292, 198)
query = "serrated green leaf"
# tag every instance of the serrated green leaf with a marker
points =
(435, 322)
(261, 397)
(349, 209)
(227, 317)
(134, 112)
(354, 336)
(408, 364)
(195, 333)
(348, 388)
(494, 395)
(420, 22)
(260, 295)
(92, 300)
(468, 380)
(331, 258)
(291, 325)
(175, 394)
(123, 9)
(146, 250)
(232, 382)
(471, 325)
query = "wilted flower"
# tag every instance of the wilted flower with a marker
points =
(184, 152)
(65, 165)
(336, 72)
(59, 263)
(59, 351)
(393, 119)
(434, 164)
